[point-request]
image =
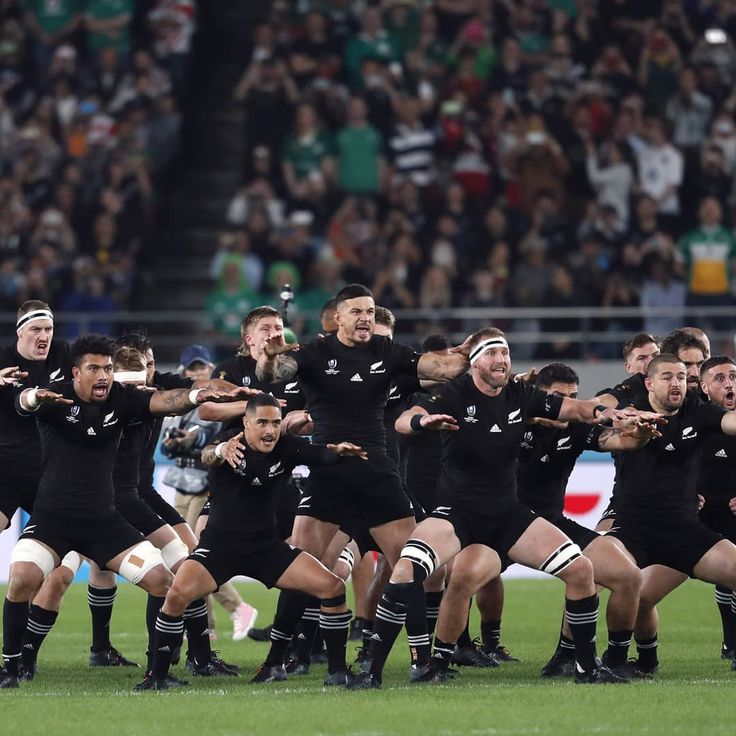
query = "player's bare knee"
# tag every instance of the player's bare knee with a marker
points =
(403, 572)
(157, 581)
(25, 580)
(578, 575)
(178, 597)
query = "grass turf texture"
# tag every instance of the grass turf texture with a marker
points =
(693, 692)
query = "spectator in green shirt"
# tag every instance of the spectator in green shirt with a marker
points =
(51, 22)
(373, 42)
(230, 300)
(362, 168)
(307, 158)
(706, 257)
(108, 26)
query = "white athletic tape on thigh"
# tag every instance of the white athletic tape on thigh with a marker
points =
(173, 552)
(72, 560)
(422, 554)
(561, 558)
(140, 560)
(347, 557)
(29, 550)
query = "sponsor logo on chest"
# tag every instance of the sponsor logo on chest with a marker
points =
(470, 412)
(332, 369)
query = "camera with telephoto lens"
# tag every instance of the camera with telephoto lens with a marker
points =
(174, 433)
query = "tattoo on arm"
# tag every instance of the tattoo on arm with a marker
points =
(282, 369)
(605, 437)
(209, 459)
(171, 402)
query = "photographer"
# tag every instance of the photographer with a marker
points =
(183, 440)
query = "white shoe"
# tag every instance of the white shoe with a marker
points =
(244, 619)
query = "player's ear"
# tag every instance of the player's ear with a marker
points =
(75, 372)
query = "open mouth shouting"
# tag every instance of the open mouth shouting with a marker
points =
(100, 390)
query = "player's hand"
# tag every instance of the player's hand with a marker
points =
(463, 348)
(44, 396)
(276, 345)
(11, 375)
(437, 422)
(732, 505)
(701, 501)
(233, 451)
(348, 449)
(529, 377)
(218, 396)
(242, 393)
(640, 430)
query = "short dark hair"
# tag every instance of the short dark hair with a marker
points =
(127, 358)
(385, 317)
(638, 341)
(91, 345)
(32, 305)
(435, 342)
(556, 373)
(716, 360)
(261, 400)
(659, 359)
(352, 291)
(329, 305)
(682, 340)
(136, 339)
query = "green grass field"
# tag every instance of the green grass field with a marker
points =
(693, 692)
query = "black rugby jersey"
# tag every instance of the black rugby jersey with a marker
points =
(660, 479)
(241, 370)
(628, 392)
(399, 393)
(547, 458)
(244, 501)
(717, 473)
(479, 460)
(152, 428)
(20, 445)
(79, 443)
(347, 388)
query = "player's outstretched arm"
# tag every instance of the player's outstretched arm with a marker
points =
(417, 419)
(182, 400)
(230, 452)
(32, 399)
(273, 363)
(728, 422)
(635, 436)
(443, 367)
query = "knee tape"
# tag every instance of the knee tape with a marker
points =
(561, 558)
(28, 550)
(72, 560)
(422, 557)
(173, 552)
(139, 561)
(347, 558)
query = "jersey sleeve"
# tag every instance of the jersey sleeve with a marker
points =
(403, 359)
(439, 401)
(134, 402)
(227, 371)
(709, 418)
(541, 404)
(302, 452)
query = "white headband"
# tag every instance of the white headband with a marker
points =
(130, 376)
(482, 347)
(32, 317)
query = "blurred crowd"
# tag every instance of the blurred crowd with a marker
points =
(90, 92)
(486, 153)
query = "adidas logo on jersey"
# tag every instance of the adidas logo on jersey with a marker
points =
(256, 482)
(356, 378)
(721, 453)
(91, 432)
(515, 417)
(165, 648)
(376, 367)
(495, 428)
(670, 447)
(689, 433)
(108, 421)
